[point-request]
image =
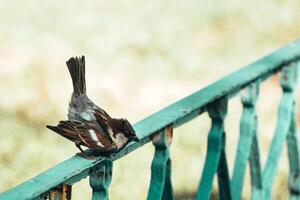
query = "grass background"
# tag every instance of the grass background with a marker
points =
(141, 56)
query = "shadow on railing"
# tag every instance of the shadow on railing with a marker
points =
(56, 183)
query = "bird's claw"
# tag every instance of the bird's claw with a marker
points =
(88, 157)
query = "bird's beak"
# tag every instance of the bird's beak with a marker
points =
(135, 138)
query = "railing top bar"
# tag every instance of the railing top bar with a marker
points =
(75, 168)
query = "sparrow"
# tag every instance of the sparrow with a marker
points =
(88, 124)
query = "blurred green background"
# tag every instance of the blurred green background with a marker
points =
(141, 56)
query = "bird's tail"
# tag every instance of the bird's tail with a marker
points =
(76, 68)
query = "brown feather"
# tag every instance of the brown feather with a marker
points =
(79, 132)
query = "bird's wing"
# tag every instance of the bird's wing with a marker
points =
(66, 129)
(84, 133)
(102, 118)
(96, 138)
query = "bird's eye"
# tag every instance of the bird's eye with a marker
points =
(128, 132)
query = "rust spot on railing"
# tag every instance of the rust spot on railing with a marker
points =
(62, 192)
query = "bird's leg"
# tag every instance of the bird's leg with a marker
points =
(82, 153)
(78, 146)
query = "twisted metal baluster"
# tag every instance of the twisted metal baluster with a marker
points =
(294, 162)
(247, 147)
(161, 183)
(255, 171)
(215, 157)
(293, 152)
(101, 180)
(288, 83)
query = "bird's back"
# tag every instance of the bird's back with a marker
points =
(81, 108)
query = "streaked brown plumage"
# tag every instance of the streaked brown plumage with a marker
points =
(84, 133)
(88, 124)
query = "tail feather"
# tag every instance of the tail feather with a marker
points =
(53, 128)
(76, 68)
(63, 131)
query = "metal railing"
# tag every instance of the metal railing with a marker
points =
(56, 183)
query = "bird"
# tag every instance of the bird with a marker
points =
(88, 124)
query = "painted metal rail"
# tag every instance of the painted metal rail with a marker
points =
(56, 183)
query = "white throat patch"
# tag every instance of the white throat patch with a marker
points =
(120, 139)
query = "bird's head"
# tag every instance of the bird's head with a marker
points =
(128, 130)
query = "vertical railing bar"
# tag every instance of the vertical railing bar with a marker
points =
(294, 161)
(217, 112)
(223, 175)
(61, 192)
(168, 192)
(288, 83)
(67, 192)
(100, 181)
(248, 129)
(293, 151)
(161, 182)
(255, 171)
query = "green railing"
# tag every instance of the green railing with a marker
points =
(56, 183)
